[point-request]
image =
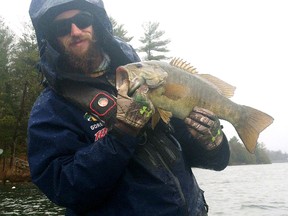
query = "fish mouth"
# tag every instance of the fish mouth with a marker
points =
(122, 75)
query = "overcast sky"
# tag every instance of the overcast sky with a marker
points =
(244, 42)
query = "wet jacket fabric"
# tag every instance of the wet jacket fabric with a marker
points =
(78, 164)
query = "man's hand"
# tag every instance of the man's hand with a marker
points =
(134, 111)
(205, 127)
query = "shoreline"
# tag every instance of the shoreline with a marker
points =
(14, 175)
(10, 176)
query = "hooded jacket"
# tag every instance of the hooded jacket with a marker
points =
(78, 164)
(42, 12)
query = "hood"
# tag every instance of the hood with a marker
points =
(42, 12)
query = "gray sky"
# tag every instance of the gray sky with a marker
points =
(243, 42)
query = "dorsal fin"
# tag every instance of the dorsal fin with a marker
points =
(180, 63)
(221, 86)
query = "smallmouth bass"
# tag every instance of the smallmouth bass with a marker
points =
(176, 88)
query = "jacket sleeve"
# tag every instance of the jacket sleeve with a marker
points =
(195, 155)
(70, 169)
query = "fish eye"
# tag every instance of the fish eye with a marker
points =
(139, 65)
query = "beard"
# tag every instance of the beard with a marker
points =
(84, 62)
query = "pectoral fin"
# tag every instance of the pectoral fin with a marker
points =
(155, 119)
(160, 113)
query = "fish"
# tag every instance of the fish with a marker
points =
(176, 87)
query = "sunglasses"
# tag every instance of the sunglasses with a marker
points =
(63, 27)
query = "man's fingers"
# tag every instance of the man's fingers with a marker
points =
(195, 126)
(202, 119)
(204, 112)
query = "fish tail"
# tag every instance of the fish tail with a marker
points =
(252, 123)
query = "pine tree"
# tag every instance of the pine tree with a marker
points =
(153, 43)
(19, 91)
(25, 82)
(6, 45)
(119, 31)
(6, 120)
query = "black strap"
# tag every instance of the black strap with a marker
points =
(97, 102)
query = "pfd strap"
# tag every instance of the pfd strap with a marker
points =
(99, 103)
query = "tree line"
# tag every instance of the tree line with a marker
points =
(19, 88)
(20, 85)
(239, 154)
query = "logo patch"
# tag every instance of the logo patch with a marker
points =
(90, 118)
(101, 133)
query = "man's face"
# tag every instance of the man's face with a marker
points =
(74, 36)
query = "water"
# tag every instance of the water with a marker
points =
(251, 190)
(25, 199)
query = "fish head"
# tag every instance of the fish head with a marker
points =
(139, 73)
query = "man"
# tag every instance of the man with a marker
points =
(88, 150)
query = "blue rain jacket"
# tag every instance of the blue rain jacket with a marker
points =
(78, 164)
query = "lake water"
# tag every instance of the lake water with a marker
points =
(250, 190)
(25, 199)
